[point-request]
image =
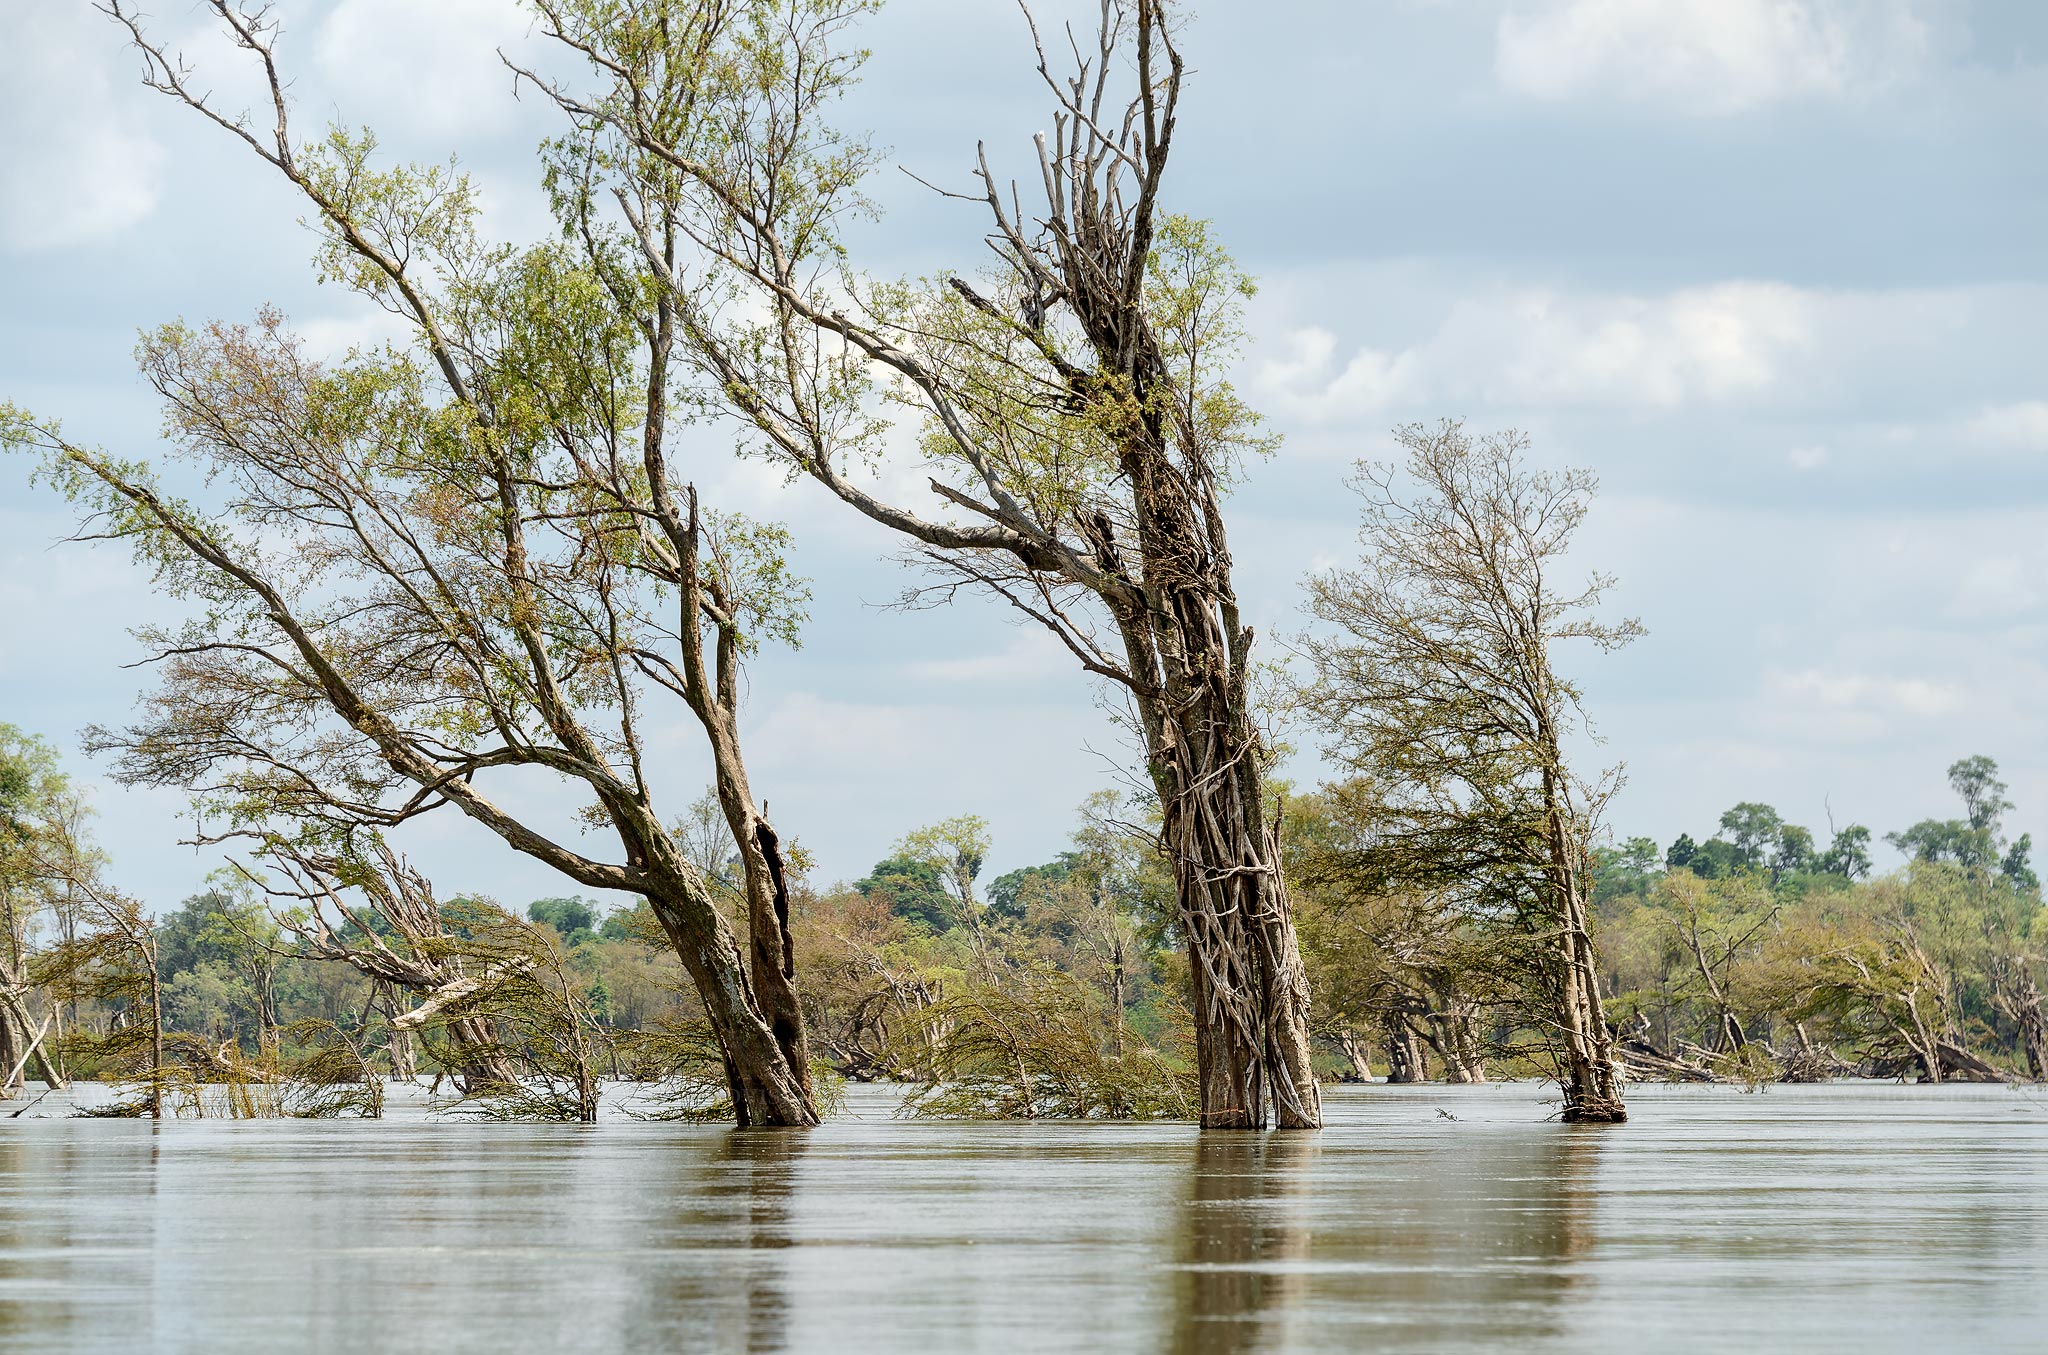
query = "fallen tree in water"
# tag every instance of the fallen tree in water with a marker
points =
(1752, 1065)
(399, 935)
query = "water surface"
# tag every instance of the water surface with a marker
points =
(1872, 1218)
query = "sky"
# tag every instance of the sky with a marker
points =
(1776, 270)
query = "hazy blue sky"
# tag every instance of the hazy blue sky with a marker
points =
(1776, 269)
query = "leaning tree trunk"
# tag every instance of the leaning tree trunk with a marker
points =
(2018, 996)
(39, 1041)
(10, 1056)
(476, 1057)
(1181, 629)
(1406, 1061)
(1250, 988)
(1457, 1043)
(1592, 1088)
(156, 1032)
(771, 952)
(1187, 652)
(2033, 1029)
(404, 1066)
(1354, 1051)
(765, 1086)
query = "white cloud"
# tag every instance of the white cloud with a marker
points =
(1996, 587)
(1369, 380)
(1861, 702)
(331, 337)
(1807, 458)
(1549, 349)
(1709, 56)
(2023, 425)
(432, 68)
(1032, 655)
(77, 162)
(1890, 370)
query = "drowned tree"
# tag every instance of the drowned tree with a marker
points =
(423, 565)
(1073, 419)
(1435, 683)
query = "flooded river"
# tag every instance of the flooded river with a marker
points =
(1864, 1218)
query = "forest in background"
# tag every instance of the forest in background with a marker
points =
(1750, 954)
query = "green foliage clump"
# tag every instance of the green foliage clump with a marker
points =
(1039, 1046)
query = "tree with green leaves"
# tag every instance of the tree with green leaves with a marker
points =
(402, 938)
(1076, 422)
(41, 822)
(1627, 868)
(954, 850)
(468, 551)
(912, 889)
(573, 919)
(1848, 853)
(1975, 841)
(1752, 830)
(1405, 968)
(110, 959)
(1435, 681)
(224, 933)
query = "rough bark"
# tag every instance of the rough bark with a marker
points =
(2033, 1029)
(1405, 1060)
(15, 1016)
(1455, 1041)
(1592, 1086)
(2019, 997)
(710, 686)
(1354, 1051)
(766, 1088)
(11, 1057)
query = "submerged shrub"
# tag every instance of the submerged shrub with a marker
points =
(1040, 1045)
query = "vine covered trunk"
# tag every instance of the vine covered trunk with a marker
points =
(1592, 1086)
(1250, 990)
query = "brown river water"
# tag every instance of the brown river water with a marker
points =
(1867, 1218)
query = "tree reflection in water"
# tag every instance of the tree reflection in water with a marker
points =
(713, 1272)
(1469, 1240)
(1245, 1235)
(767, 1159)
(71, 1261)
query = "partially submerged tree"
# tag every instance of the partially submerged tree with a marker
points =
(433, 562)
(1078, 432)
(1877, 980)
(1032, 1047)
(1403, 967)
(40, 818)
(398, 935)
(1436, 682)
(954, 850)
(111, 961)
